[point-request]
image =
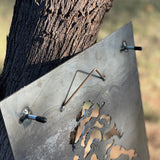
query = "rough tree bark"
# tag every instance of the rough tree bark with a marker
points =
(44, 34)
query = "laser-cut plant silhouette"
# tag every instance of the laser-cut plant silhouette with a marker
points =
(86, 137)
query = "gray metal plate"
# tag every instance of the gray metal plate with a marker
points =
(124, 134)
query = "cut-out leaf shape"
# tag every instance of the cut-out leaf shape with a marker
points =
(94, 134)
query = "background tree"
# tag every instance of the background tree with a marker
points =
(44, 34)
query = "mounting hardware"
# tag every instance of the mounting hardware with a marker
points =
(125, 47)
(27, 114)
(65, 102)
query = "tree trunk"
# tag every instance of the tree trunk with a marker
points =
(44, 34)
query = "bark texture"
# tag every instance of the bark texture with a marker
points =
(44, 34)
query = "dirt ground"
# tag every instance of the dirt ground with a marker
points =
(153, 136)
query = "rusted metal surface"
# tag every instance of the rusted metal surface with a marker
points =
(117, 128)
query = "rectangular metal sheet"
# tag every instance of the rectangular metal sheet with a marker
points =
(120, 92)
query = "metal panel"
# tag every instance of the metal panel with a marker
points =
(113, 127)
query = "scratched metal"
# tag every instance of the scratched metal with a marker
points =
(120, 92)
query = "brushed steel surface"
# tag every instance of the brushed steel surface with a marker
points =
(120, 91)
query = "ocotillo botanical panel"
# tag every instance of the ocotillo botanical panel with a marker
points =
(89, 108)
